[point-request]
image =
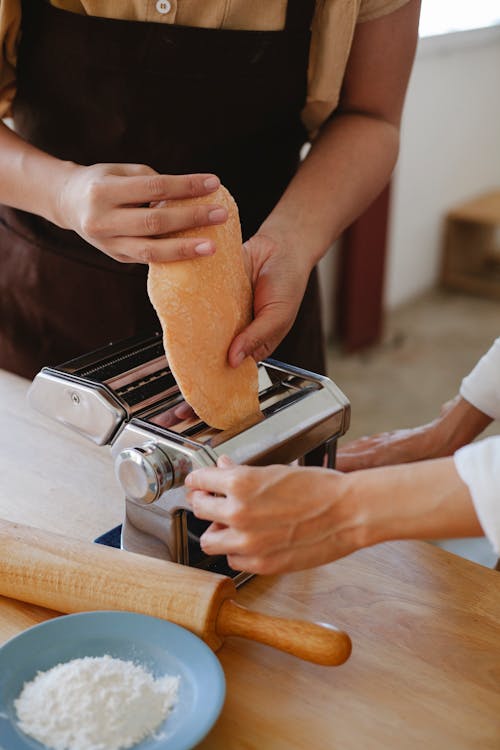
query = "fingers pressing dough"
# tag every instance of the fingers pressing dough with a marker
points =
(202, 304)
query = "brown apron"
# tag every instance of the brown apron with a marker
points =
(101, 90)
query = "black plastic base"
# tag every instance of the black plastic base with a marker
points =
(111, 538)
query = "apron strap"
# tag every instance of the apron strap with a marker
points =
(299, 14)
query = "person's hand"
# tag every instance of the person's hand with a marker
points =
(279, 277)
(278, 519)
(458, 424)
(272, 519)
(128, 211)
(385, 448)
(180, 414)
(399, 446)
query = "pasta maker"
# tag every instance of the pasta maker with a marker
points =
(125, 396)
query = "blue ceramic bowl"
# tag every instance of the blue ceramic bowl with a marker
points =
(159, 646)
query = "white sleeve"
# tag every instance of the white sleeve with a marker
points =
(481, 387)
(478, 465)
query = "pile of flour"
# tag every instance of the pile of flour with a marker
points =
(94, 703)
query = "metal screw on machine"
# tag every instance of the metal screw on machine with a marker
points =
(144, 473)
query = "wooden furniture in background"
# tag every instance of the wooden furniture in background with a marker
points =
(471, 246)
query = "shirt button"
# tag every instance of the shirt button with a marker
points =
(163, 6)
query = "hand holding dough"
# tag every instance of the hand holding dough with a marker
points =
(202, 304)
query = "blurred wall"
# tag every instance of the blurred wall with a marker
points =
(450, 151)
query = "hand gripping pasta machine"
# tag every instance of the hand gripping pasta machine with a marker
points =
(124, 395)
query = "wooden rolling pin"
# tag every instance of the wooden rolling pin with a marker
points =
(68, 575)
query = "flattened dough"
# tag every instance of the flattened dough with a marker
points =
(202, 304)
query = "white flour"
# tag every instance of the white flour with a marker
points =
(94, 703)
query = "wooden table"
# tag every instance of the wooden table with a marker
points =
(425, 624)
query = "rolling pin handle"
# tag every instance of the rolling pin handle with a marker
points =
(316, 642)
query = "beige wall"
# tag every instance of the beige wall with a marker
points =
(450, 151)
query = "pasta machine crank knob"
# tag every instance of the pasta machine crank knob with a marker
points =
(144, 473)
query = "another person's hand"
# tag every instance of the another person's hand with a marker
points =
(385, 448)
(112, 206)
(279, 277)
(180, 414)
(272, 519)
(277, 519)
(458, 424)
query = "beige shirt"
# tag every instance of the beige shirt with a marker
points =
(332, 32)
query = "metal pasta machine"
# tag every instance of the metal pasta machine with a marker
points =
(124, 395)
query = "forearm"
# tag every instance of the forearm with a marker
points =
(459, 423)
(31, 179)
(347, 166)
(354, 155)
(424, 500)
